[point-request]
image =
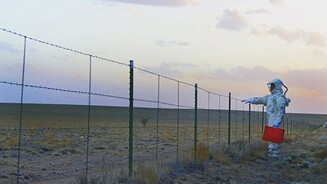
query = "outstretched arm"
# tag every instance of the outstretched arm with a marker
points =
(256, 100)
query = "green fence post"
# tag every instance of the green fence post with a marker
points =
(88, 120)
(208, 119)
(177, 156)
(219, 118)
(229, 117)
(249, 122)
(263, 118)
(195, 122)
(131, 116)
(158, 110)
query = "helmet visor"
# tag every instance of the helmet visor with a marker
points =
(271, 87)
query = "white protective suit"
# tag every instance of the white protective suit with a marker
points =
(276, 103)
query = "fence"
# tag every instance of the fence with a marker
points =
(58, 124)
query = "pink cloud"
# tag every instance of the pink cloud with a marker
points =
(232, 20)
(309, 38)
(168, 3)
(315, 38)
(171, 43)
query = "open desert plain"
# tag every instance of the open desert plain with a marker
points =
(58, 146)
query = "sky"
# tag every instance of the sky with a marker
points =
(225, 46)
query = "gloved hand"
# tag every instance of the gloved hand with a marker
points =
(275, 126)
(249, 100)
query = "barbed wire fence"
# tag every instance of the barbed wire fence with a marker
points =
(170, 123)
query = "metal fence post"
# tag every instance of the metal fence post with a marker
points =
(236, 131)
(219, 118)
(229, 117)
(208, 119)
(21, 111)
(158, 101)
(195, 122)
(88, 121)
(249, 122)
(243, 122)
(177, 156)
(131, 116)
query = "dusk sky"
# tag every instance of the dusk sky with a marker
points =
(226, 46)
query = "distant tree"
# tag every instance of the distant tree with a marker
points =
(144, 121)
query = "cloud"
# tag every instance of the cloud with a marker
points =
(167, 3)
(183, 65)
(277, 2)
(4, 46)
(286, 35)
(245, 74)
(163, 69)
(315, 38)
(171, 43)
(313, 79)
(231, 20)
(303, 83)
(309, 38)
(258, 11)
(318, 53)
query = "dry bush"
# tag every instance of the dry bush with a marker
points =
(12, 141)
(202, 155)
(288, 139)
(147, 173)
(242, 151)
(321, 154)
(169, 134)
(50, 139)
(321, 169)
(202, 152)
(222, 157)
(144, 121)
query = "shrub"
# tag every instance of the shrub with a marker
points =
(12, 141)
(144, 121)
(50, 139)
(241, 151)
(202, 152)
(147, 173)
(321, 154)
(222, 157)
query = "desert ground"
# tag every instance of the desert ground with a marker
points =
(54, 146)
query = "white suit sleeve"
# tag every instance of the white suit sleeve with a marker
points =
(257, 100)
(279, 117)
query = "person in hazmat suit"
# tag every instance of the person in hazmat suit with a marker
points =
(276, 103)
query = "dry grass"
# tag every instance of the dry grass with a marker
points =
(202, 153)
(147, 174)
(241, 151)
(222, 157)
(321, 154)
(169, 133)
(50, 139)
(12, 141)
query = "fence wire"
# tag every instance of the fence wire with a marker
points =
(158, 119)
